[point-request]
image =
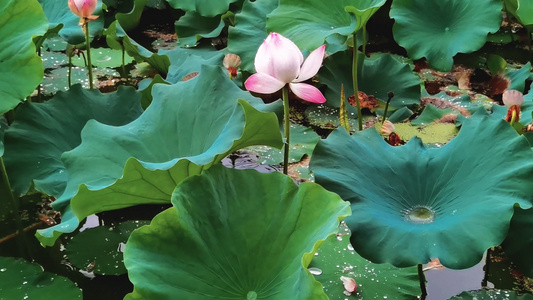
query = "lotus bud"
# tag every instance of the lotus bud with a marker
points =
(349, 285)
(82, 8)
(231, 63)
(513, 99)
(387, 128)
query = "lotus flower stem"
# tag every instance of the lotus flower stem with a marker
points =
(69, 71)
(390, 95)
(354, 78)
(89, 62)
(285, 92)
(13, 203)
(422, 280)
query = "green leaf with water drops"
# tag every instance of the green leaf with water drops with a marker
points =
(58, 12)
(206, 8)
(377, 75)
(33, 151)
(336, 258)
(57, 79)
(192, 27)
(249, 31)
(20, 279)
(431, 114)
(22, 69)
(188, 127)
(490, 294)
(100, 250)
(103, 58)
(226, 251)
(443, 28)
(303, 141)
(310, 24)
(428, 202)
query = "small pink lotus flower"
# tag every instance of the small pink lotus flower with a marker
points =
(82, 8)
(279, 62)
(513, 99)
(349, 285)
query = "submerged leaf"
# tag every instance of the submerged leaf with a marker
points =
(234, 234)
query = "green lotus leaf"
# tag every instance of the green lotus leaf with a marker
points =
(377, 75)
(145, 88)
(413, 203)
(337, 258)
(192, 27)
(52, 60)
(430, 134)
(303, 141)
(22, 69)
(249, 31)
(521, 9)
(439, 30)
(100, 249)
(212, 243)
(58, 12)
(188, 127)
(400, 115)
(117, 39)
(24, 280)
(205, 8)
(309, 23)
(518, 77)
(185, 61)
(103, 58)
(364, 10)
(35, 141)
(519, 239)
(130, 20)
(489, 294)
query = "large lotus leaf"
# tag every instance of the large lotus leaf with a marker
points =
(101, 249)
(490, 294)
(192, 27)
(413, 203)
(336, 258)
(309, 23)
(234, 234)
(58, 12)
(22, 69)
(249, 31)
(205, 8)
(117, 39)
(185, 61)
(438, 30)
(43, 131)
(520, 239)
(130, 20)
(20, 279)
(377, 75)
(188, 127)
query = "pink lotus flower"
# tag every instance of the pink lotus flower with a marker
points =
(279, 62)
(82, 8)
